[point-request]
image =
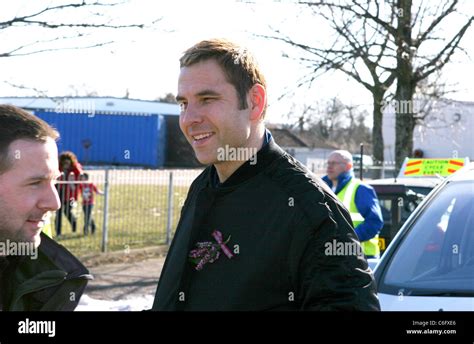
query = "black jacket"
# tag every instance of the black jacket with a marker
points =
(54, 281)
(280, 218)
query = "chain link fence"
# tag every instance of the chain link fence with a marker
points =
(138, 208)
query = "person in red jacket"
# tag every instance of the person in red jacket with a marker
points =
(88, 191)
(70, 170)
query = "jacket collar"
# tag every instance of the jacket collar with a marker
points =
(265, 156)
(342, 180)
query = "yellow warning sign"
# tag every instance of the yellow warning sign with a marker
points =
(431, 167)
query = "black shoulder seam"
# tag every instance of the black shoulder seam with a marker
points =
(297, 182)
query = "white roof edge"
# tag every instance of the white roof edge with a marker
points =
(119, 106)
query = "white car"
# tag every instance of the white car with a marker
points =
(429, 265)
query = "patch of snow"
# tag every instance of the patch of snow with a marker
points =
(138, 303)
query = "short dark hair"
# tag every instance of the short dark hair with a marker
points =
(238, 64)
(16, 124)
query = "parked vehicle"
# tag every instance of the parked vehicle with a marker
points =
(367, 165)
(429, 265)
(400, 196)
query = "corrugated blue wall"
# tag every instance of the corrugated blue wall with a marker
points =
(115, 139)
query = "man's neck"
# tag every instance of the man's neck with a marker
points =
(226, 169)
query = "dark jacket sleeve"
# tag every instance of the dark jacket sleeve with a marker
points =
(327, 278)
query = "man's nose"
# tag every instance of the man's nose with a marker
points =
(191, 115)
(49, 199)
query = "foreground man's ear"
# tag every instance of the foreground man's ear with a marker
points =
(258, 100)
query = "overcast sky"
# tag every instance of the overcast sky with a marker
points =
(145, 62)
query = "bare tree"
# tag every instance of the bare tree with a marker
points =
(356, 43)
(410, 33)
(378, 42)
(168, 98)
(74, 91)
(332, 123)
(53, 17)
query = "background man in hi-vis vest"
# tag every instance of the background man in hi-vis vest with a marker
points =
(359, 198)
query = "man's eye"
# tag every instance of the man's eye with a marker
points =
(182, 106)
(206, 100)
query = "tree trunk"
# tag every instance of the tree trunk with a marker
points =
(377, 135)
(405, 121)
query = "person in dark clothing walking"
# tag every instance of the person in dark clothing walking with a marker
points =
(36, 273)
(257, 231)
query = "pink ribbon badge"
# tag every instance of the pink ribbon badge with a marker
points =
(218, 237)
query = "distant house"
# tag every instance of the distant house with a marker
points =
(314, 158)
(114, 131)
(447, 131)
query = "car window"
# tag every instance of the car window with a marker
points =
(368, 161)
(421, 190)
(437, 253)
(386, 206)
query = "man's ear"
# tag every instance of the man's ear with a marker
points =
(258, 100)
(348, 166)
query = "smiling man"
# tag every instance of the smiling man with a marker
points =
(51, 278)
(253, 231)
(215, 113)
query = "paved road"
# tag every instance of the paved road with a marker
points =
(122, 286)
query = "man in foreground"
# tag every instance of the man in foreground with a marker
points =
(256, 228)
(36, 273)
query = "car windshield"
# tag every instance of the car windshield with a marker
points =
(367, 160)
(437, 254)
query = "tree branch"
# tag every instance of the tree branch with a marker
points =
(15, 52)
(435, 23)
(443, 56)
(37, 18)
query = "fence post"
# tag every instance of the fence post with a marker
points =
(170, 210)
(106, 211)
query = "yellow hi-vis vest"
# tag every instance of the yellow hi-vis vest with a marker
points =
(347, 197)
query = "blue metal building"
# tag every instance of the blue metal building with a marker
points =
(110, 131)
(111, 139)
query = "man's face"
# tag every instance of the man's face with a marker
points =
(210, 116)
(335, 166)
(27, 190)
